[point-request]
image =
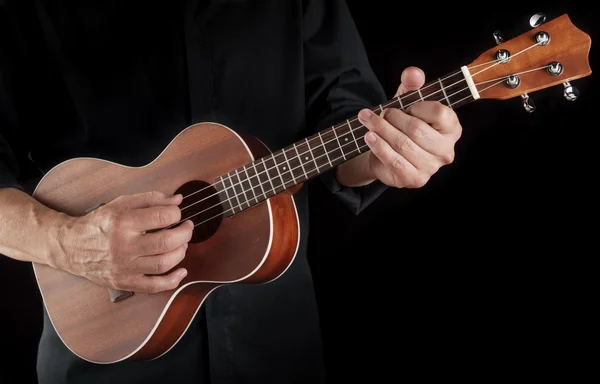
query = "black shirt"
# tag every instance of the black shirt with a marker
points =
(118, 80)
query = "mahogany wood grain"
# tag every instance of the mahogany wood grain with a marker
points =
(256, 244)
(101, 331)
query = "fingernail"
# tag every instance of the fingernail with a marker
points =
(183, 273)
(186, 246)
(365, 114)
(370, 137)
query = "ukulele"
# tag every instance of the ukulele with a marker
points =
(246, 223)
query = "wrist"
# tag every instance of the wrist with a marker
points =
(58, 231)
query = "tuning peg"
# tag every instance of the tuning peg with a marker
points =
(528, 103)
(571, 93)
(498, 37)
(537, 20)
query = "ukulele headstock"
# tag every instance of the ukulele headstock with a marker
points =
(550, 54)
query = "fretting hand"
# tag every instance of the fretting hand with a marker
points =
(407, 148)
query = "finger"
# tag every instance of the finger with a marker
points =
(159, 264)
(148, 199)
(163, 241)
(154, 284)
(421, 133)
(398, 142)
(412, 78)
(438, 115)
(146, 219)
(390, 158)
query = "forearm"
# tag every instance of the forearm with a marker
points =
(29, 231)
(355, 172)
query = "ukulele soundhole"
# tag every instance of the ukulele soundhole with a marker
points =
(201, 204)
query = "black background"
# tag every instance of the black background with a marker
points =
(484, 273)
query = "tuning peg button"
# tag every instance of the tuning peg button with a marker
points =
(537, 20)
(498, 37)
(528, 103)
(570, 93)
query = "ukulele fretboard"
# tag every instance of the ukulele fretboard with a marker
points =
(323, 151)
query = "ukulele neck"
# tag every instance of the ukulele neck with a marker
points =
(323, 151)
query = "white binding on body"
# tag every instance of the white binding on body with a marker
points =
(192, 282)
(470, 82)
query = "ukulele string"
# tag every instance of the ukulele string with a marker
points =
(359, 148)
(493, 62)
(505, 77)
(243, 192)
(301, 166)
(297, 156)
(498, 61)
(239, 183)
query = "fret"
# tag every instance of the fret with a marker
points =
(300, 160)
(233, 192)
(448, 103)
(306, 158)
(242, 187)
(456, 90)
(225, 189)
(312, 154)
(289, 166)
(400, 101)
(280, 167)
(347, 142)
(276, 165)
(320, 154)
(340, 144)
(267, 177)
(272, 172)
(295, 164)
(250, 183)
(455, 85)
(325, 149)
(410, 99)
(354, 137)
(259, 180)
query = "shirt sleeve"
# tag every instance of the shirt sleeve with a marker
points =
(339, 83)
(9, 167)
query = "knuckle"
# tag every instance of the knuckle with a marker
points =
(159, 266)
(403, 143)
(397, 162)
(166, 215)
(113, 253)
(152, 195)
(443, 113)
(111, 221)
(448, 157)
(160, 217)
(414, 126)
(419, 180)
(389, 114)
(162, 243)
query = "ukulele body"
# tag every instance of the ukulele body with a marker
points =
(254, 246)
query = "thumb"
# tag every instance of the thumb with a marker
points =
(148, 199)
(412, 79)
